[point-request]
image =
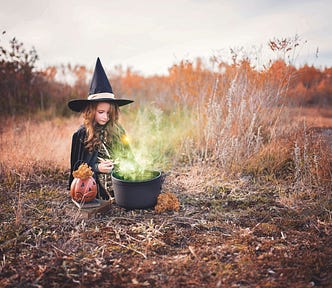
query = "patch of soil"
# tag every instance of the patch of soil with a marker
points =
(226, 234)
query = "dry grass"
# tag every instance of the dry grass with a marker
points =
(314, 117)
(264, 143)
(236, 113)
(25, 144)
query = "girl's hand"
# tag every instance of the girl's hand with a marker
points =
(106, 166)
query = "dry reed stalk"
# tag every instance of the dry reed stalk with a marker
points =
(239, 120)
(18, 209)
(312, 159)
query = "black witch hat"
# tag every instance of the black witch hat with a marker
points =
(100, 91)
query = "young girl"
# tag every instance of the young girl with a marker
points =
(101, 139)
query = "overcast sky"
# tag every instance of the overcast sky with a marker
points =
(150, 35)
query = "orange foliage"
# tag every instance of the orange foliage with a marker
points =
(188, 83)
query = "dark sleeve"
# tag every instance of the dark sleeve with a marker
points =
(78, 152)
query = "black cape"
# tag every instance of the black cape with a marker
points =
(79, 155)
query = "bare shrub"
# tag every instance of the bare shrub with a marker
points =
(242, 115)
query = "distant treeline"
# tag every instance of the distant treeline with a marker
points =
(24, 90)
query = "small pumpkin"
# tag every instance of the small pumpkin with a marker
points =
(83, 190)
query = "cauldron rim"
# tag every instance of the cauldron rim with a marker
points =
(133, 182)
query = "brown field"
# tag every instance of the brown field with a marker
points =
(245, 230)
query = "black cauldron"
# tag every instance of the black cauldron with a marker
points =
(138, 194)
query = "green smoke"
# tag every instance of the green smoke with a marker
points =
(154, 141)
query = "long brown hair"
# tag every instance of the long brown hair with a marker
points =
(92, 140)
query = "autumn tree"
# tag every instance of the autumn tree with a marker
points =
(17, 78)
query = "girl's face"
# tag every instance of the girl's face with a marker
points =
(102, 115)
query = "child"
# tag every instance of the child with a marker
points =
(100, 139)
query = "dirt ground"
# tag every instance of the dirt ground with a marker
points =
(226, 234)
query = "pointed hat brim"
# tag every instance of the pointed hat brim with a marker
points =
(80, 104)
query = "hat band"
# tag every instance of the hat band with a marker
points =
(103, 95)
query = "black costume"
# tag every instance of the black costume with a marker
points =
(113, 149)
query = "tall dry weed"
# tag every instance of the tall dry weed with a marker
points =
(312, 158)
(242, 114)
